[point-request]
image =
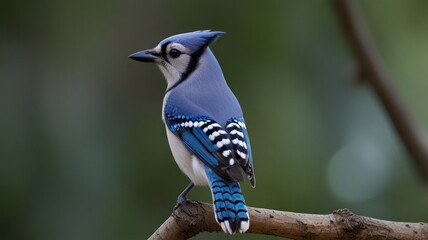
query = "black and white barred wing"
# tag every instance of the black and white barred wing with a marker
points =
(209, 141)
(241, 145)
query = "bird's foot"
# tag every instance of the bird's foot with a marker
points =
(182, 201)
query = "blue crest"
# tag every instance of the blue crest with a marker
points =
(194, 40)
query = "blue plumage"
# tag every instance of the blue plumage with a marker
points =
(229, 204)
(205, 125)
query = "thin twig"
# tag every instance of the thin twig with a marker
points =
(372, 67)
(341, 224)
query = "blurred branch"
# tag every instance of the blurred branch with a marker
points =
(371, 65)
(341, 224)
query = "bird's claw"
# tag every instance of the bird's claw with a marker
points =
(182, 201)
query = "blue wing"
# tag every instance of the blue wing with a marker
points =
(209, 141)
(224, 149)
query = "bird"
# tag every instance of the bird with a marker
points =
(204, 123)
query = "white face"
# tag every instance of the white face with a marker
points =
(173, 62)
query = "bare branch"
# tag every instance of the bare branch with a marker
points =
(341, 224)
(410, 133)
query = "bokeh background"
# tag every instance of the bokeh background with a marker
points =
(83, 151)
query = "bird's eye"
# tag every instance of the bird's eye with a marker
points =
(174, 53)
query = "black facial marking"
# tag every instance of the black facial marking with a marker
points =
(163, 51)
(194, 59)
(193, 63)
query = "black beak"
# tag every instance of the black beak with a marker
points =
(144, 56)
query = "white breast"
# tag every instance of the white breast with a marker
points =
(186, 161)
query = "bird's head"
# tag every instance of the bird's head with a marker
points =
(178, 56)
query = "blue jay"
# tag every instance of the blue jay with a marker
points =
(204, 124)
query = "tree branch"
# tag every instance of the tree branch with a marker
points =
(341, 224)
(371, 65)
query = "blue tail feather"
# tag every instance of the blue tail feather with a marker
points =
(230, 209)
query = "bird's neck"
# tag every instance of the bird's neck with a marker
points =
(205, 92)
(208, 71)
(207, 68)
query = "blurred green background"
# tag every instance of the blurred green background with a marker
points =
(83, 149)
